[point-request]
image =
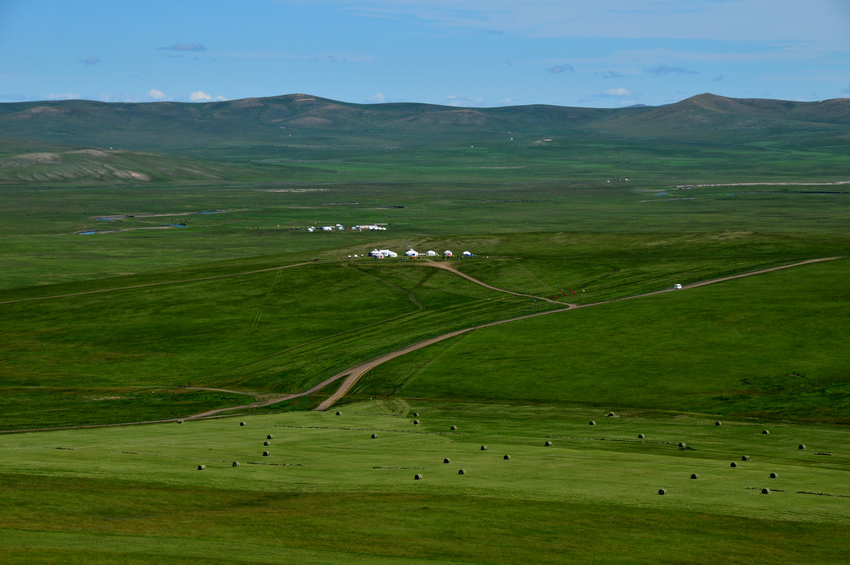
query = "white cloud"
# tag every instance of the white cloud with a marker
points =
(201, 96)
(156, 94)
(378, 98)
(617, 93)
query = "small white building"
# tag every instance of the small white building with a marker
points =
(413, 254)
(447, 254)
(431, 253)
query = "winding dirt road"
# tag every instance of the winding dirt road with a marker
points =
(354, 374)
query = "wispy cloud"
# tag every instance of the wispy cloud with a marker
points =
(378, 98)
(717, 78)
(454, 100)
(185, 47)
(91, 61)
(612, 74)
(561, 69)
(667, 69)
(617, 93)
(64, 96)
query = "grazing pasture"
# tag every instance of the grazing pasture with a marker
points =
(565, 409)
(137, 491)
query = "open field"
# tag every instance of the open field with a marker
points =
(146, 275)
(329, 492)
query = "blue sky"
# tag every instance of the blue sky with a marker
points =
(599, 53)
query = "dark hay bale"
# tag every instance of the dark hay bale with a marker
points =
(717, 423)
(269, 436)
(682, 445)
(610, 415)
(592, 423)
(694, 476)
(461, 472)
(453, 428)
(773, 475)
(483, 448)
(417, 477)
(802, 446)
(447, 460)
(179, 421)
(201, 467)
(765, 432)
(506, 457)
(548, 444)
(266, 453)
(416, 414)
(641, 436)
(374, 436)
(339, 413)
(733, 464)
(765, 491)
(236, 463)
(745, 458)
(266, 443)
(241, 423)
(662, 491)
(415, 422)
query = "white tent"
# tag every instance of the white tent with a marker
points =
(411, 253)
(447, 253)
(431, 253)
(467, 254)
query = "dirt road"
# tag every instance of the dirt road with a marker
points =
(355, 373)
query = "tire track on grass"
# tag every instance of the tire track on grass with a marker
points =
(354, 374)
(147, 285)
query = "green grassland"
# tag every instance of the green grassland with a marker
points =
(771, 346)
(329, 492)
(155, 264)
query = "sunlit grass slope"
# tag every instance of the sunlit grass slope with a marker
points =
(328, 492)
(772, 345)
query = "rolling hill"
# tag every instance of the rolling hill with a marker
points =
(187, 127)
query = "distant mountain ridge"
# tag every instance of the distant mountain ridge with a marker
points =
(250, 128)
(62, 121)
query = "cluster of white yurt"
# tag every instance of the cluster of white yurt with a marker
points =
(413, 254)
(382, 253)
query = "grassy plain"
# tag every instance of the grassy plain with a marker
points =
(330, 492)
(203, 275)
